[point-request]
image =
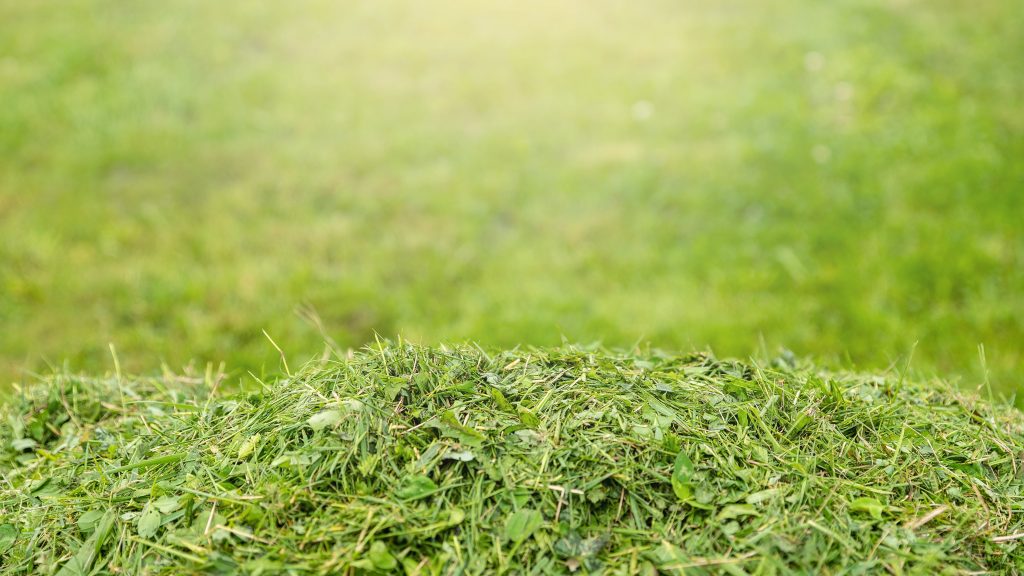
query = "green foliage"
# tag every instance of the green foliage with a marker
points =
(416, 487)
(870, 505)
(8, 534)
(632, 463)
(522, 524)
(149, 522)
(381, 558)
(681, 474)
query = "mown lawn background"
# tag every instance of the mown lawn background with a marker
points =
(843, 179)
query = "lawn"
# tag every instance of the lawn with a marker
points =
(842, 179)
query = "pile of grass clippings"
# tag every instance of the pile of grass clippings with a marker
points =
(405, 459)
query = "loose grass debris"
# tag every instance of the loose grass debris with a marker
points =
(451, 460)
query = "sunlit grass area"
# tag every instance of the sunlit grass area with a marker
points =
(843, 179)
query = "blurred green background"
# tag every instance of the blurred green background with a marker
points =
(841, 178)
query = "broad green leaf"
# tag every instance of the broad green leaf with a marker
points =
(8, 534)
(869, 505)
(736, 510)
(149, 521)
(381, 557)
(528, 418)
(86, 555)
(500, 400)
(415, 487)
(758, 497)
(22, 444)
(42, 488)
(325, 419)
(393, 387)
(460, 455)
(681, 477)
(250, 445)
(451, 426)
(88, 521)
(456, 516)
(522, 524)
(167, 504)
(73, 567)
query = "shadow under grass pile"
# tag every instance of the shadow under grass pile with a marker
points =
(406, 459)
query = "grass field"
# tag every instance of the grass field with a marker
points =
(840, 178)
(427, 461)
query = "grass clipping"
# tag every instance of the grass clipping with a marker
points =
(404, 459)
